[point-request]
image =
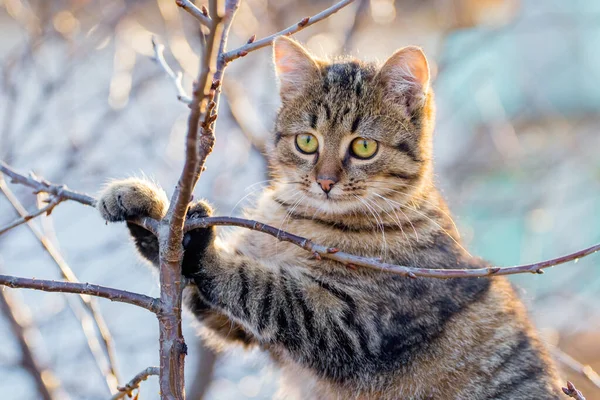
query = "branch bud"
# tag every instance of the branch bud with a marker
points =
(304, 21)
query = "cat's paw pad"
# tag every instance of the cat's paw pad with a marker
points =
(132, 198)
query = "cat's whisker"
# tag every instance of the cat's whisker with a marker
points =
(398, 222)
(437, 207)
(373, 203)
(242, 199)
(288, 212)
(389, 201)
(362, 208)
(379, 225)
(259, 183)
(434, 222)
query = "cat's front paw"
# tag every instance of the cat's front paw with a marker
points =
(197, 242)
(132, 198)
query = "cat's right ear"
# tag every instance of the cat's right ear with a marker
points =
(405, 78)
(295, 68)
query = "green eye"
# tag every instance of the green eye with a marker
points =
(307, 143)
(363, 148)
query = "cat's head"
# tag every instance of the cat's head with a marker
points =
(349, 131)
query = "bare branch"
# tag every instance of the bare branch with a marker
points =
(304, 23)
(109, 368)
(122, 296)
(60, 192)
(352, 260)
(572, 391)
(44, 210)
(200, 14)
(584, 370)
(40, 185)
(135, 382)
(177, 78)
(47, 383)
(324, 251)
(198, 147)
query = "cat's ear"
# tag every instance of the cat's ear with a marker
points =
(405, 77)
(295, 68)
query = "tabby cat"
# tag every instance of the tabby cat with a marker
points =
(351, 158)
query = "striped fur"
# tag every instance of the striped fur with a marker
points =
(340, 333)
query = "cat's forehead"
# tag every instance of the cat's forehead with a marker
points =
(349, 77)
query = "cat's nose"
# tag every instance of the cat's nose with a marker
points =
(326, 184)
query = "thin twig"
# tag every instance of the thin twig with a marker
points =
(135, 382)
(584, 370)
(304, 23)
(48, 385)
(200, 14)
(40, 185)
(346, 258)
(21, 220)
(177, 78)
(412, 272)
(572, 391)
(107, 368)
(121, 296)
(62, 193)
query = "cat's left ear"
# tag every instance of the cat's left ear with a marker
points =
(405, 77)
(294, 66)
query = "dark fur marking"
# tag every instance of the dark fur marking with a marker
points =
(327, 112)
(287, 326)
(313, 121)
(278, 137)
(403, 175)
(264, 315)
(407, 149)
(245, 289)
(355, 124)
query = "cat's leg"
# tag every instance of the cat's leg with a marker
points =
(313, 319)
(137, 198)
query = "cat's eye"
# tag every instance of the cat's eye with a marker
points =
(307, 143)
(363, 148)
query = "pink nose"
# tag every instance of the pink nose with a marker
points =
(326, 184)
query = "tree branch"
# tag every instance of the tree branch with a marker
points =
(135, 382)
(584, 370)
(572, 391)
(177, 78)
(61, 193)
(40, 185)
(304, 23)
(44, 210)
(200, 14)
(353, 261)
(109, 368)
(122, 296)
(333, 254)
(48, 385)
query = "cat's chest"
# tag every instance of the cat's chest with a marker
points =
(369, 243)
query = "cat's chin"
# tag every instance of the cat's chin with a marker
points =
(330, 204)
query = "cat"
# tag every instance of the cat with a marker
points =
(351, 159)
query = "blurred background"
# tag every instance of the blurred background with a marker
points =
(81, 101)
